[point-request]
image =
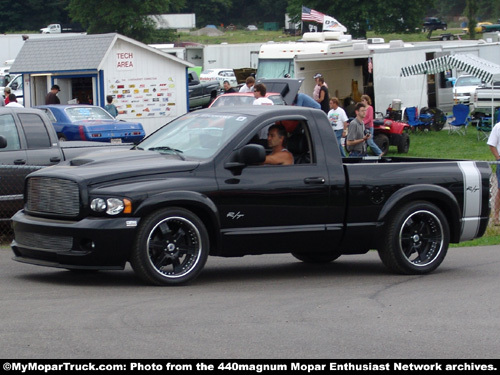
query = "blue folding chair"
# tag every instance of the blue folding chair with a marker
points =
(460, 118)
(413, 120)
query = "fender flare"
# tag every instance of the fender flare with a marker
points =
(198, 203)
(435, 194)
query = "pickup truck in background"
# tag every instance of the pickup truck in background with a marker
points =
(201, 93)
(56, 28)
(433, 23)
(197, 187)
(28, 141)
(485, 98)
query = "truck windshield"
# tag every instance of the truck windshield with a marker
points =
(193, 135)
(275, 68)
(468, 81)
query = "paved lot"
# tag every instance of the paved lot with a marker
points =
(257, 307)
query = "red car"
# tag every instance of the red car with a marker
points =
(281, 91)
(243, 98)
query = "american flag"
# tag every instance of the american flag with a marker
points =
(312, 15)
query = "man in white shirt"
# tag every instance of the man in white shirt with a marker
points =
(248, 86)
(13, 102)
(339, 121)
(494, 143)
(260, 95)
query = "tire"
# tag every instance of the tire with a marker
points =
(416, 239)
(382, 141)
(316, 257)
(404, 144)
(445, 28)
(171, 247)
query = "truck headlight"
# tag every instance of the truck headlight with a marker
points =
(112, 206)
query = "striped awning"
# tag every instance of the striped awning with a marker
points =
(471, 64)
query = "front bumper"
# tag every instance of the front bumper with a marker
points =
(91, 243)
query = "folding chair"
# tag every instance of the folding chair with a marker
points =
(413, 119)
(485, 125)
(461, 119)
(484, 128)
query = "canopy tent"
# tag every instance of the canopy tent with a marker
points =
(471, 64)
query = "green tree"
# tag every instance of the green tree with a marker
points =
(471, 16)
(359, 16)
(32, 14)
(129, 17)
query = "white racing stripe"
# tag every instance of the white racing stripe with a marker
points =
(472, 200)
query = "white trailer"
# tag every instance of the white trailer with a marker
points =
(355, 67)
(235, 56)
(179, 22)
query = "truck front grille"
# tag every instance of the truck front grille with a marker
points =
(44, 242)
(53, 196)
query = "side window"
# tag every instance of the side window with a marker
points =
(298, 140)
(9, 130)
(35, 131)
(49, 114)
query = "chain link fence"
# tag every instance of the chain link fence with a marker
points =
(12, 185)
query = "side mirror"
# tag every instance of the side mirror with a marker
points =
(194, 82)
(3, 141)
(252, 154)
(14, 86)
(248, 155)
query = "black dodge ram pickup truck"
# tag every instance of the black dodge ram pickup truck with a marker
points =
(197, 187)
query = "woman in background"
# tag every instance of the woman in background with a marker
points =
(365, 99)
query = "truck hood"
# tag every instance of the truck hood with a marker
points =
(115, 165)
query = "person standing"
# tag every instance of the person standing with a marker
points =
(248, 86)
(323, 99)
(356, 137)
(316, 87)
(259, 93)
(494, 143)
(13, 101)
(339, 121)
(365, 99)
(110, 107)
(51, 97)
(6, 93)
(227, 87)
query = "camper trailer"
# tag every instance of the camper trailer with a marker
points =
(355, 67)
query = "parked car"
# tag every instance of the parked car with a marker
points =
(464, 88)
(433, 23)
(201, 93)
(251, 28)
(282, 91)
(220, 75)
(478, 28)
(91, 123)
(244, 98)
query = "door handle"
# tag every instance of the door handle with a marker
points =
(314, 180)
(19, 162)
(55, 159)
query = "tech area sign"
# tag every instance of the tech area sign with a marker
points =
(125, 61)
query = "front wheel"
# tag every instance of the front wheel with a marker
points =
(416, 239)
(171, 247)
(404, 144)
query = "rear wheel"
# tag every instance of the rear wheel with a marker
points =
(171, 247)
(404, 144)
(382, 141)
(416, 239)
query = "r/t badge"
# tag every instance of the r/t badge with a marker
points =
(235, 215)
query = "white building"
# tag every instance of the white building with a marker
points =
(148, 86)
